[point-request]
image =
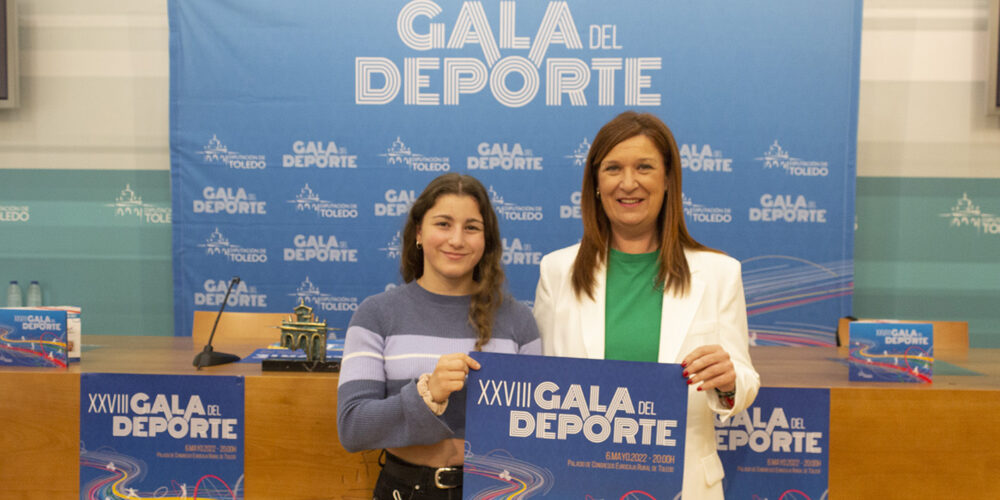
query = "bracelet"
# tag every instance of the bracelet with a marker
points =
(425, 392)
(727, 397)
(725, 394)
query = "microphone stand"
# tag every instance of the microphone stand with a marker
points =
(209, 357)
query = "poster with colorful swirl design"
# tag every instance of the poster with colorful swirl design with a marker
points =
(32, 337)
(539, 426)
(778, 448)
(883, 351)
(161, 436)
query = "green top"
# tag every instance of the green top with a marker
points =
(633, 307)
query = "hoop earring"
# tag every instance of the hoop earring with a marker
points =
(419, 246)
(598, 193)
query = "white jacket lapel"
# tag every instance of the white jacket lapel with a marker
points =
(592, 316)
(678, 314)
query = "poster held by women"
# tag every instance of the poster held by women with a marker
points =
(574, 428)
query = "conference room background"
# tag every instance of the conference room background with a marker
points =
(92, 133)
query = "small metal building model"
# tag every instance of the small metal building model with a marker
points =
(305, 333)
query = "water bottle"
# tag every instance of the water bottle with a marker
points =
(34, 294)
(14, 294)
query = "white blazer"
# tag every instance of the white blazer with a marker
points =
(712, 312)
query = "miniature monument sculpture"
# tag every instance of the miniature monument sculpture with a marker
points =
(307, 333)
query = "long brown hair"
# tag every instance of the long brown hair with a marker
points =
(488, 273)
(674, 274)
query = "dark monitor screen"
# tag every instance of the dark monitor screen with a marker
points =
(8, 54)
(993, 63)
(4, 87)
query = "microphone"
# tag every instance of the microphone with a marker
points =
(209, 357)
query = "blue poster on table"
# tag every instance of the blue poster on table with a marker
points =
(779, 447)
(161, 436)
(32, 337)
(540, 426)
(884, 351)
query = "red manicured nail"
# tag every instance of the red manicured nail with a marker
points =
(689, 382)
(684, 364)
(685, 374)
(699, 388)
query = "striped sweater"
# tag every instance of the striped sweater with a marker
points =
(392, 339)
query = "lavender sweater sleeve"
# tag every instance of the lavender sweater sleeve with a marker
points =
(392, 339)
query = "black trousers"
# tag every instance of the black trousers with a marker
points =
(411, 482)
(390, 488)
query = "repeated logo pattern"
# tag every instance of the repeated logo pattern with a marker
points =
(301, 183)
(966, 214)
(129, 204)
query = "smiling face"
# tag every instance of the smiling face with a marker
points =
(632, 182)
(451, 234)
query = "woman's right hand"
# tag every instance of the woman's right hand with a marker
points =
(449, 375)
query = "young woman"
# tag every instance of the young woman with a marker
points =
(402, 379)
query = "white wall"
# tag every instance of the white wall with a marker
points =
(94, 87)
(923, 93)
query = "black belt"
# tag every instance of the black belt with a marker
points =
(443, 478)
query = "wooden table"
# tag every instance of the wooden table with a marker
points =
(886, 440)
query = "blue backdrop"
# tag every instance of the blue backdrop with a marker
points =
(302, 130)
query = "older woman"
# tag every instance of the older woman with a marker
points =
(639, 287)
